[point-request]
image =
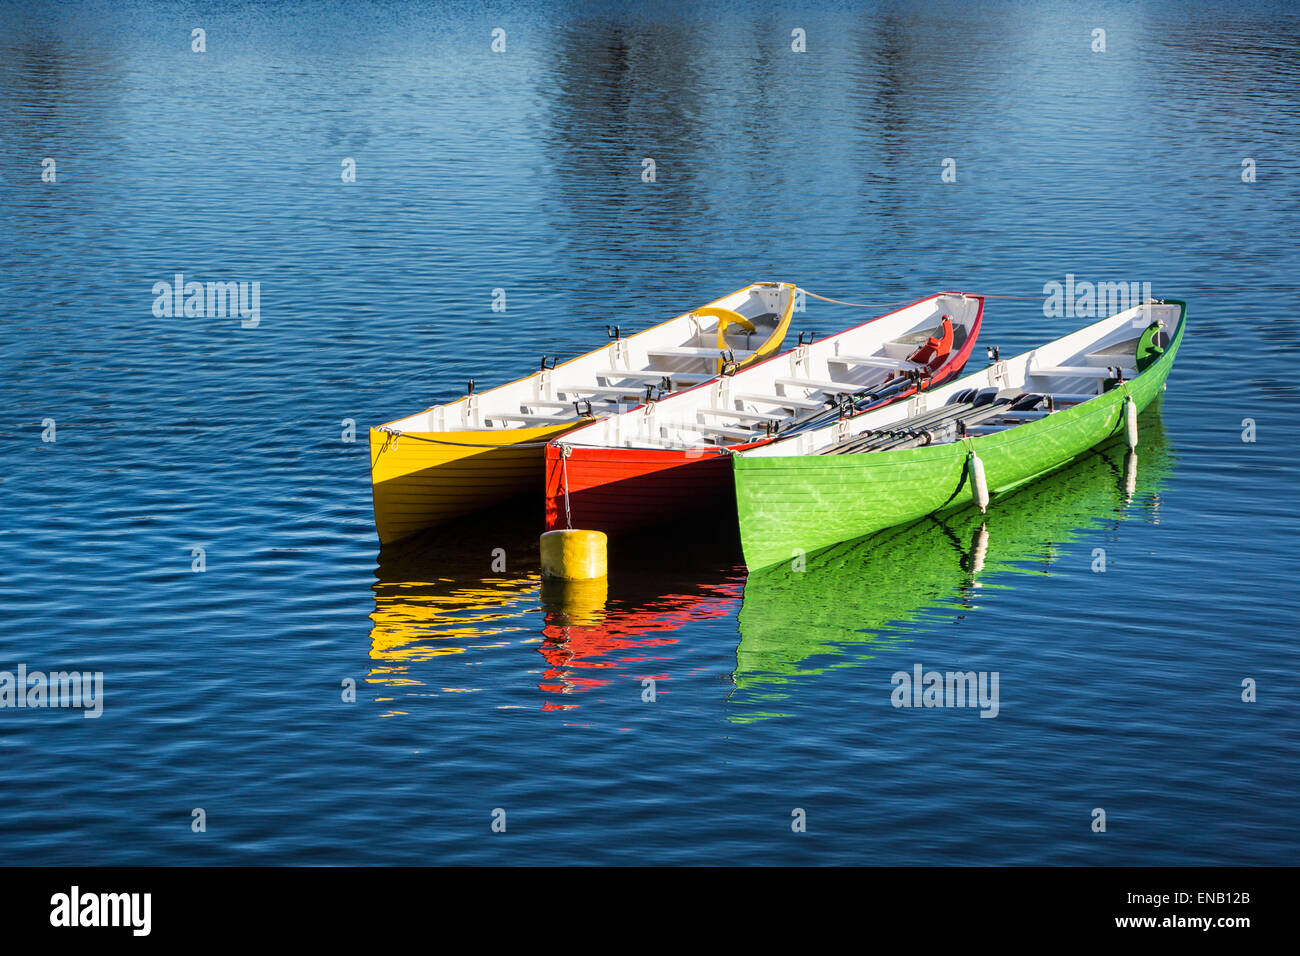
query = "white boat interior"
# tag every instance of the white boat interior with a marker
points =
(677, 354)
(797, 388)
(1009, 392)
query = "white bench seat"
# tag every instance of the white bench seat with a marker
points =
(877, 361)
(652, 376)
(1081, 371)
(544, 403)
(820, 385)
(530, 419)
(1064, 398)
(586, 390)
(699, 353)
(742, 416)
(1119, 350)
(734, 433)
(785, 401)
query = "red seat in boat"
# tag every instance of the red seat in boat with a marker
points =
(936, 349)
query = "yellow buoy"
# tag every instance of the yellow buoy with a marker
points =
(572, 555)
(575, 602)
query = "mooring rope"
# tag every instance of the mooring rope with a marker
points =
(885, 305)
(464, 444)
(564, 480)
(855, 305)
(395, 434)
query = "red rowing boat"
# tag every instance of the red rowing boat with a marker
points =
(667, 458)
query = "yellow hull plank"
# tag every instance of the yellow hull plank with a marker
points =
(425, 479)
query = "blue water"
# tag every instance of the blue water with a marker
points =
(522, 171)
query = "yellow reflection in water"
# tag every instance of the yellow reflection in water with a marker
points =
(421, 620)
(446, 594)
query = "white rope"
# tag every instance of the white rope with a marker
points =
(882, 305)
(856, 305)
(564, 480)
(396, 433)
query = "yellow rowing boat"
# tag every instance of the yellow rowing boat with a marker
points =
(453, 459)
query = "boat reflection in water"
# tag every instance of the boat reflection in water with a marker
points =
(439, 602)
(593, 635)
(857, 599)
(446, 593)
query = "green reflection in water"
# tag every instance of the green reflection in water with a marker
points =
(864, 597)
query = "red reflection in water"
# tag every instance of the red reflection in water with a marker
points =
(613, 638)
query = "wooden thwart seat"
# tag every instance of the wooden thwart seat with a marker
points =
(1081, 371)
(877, 361)
(821, 385)
(652, 376)
(743, 416)
(699, 353)
(529, 419)
(785, 401)
(1119, 350)
(735, 433)
(583, 391)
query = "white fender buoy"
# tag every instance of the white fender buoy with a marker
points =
(979, 484)
(979, 550)
(1131, 410)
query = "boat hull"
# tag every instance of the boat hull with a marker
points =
(620, 490)
(792, 506)
(456, 458)
(423, 479)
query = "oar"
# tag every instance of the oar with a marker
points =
(910, 431)
(962, 421)
(859, 401)
(924, 420)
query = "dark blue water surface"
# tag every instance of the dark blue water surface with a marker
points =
(522, 170)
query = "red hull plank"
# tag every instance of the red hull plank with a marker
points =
(617, 490)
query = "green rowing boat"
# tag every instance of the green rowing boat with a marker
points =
(980, 436)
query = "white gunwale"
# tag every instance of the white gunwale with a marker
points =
(739, 408)
(1072, 369)
(615, 376)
